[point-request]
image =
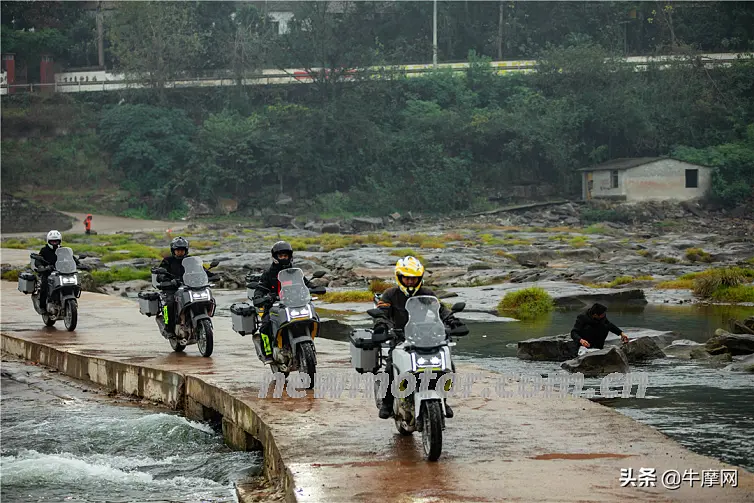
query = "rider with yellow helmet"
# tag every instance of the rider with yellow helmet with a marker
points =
(409, 276)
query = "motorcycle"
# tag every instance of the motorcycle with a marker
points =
(294, 323)
(194, 306)
(422, 345)
(63, 288)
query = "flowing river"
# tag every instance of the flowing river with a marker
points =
(60, 445)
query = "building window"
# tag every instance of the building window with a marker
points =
(692, 178)
(614, 180)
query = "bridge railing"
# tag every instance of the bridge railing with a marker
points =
(101, 81)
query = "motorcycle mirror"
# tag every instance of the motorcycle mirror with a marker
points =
(374, 313)
(458, 307)
(318, 274)
(214, 263)
(318, 290)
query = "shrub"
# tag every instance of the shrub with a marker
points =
(526, 304)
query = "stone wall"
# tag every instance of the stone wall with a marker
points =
(21, 215)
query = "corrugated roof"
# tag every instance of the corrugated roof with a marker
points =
(622, 163)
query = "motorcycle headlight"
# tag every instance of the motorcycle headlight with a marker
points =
(201, 295)
(69, 280)
(435, 362)
(298, 313)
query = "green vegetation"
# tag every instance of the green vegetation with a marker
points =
(347, 296)
(117, 274)
(729, 284)
(526, 304)
(353, 149)
(698, 255)
(12, 275)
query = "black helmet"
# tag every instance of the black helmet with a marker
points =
(282, 246)
(179, 242)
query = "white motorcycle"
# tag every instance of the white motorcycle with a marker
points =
(423, 345)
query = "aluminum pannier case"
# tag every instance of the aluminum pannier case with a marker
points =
(243, 317)
(149, 303)
(26, 283)
(365, 353)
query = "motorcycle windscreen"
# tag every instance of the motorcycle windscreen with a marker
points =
(64, 262)
(425, 327)
(194, 275)
(293, 290)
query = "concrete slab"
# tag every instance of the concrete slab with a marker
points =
(338, 450)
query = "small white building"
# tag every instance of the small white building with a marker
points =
(644, 179)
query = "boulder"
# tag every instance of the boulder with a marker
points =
(331, 228)
(556, 348)
(598, 363)
(745, 327)
(362, 224)
(681, 349)
(278, 220)
(742, 365)
(734, 344)
(642, 349)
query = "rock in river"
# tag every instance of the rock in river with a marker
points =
(735, 344)
(598, 363)
(556, 348)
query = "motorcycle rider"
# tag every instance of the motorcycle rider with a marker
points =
(268, 290)
(54, 241)
(179, 249)
(409, 275)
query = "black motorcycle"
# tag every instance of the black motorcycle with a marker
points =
(194, 306)
(63, 288)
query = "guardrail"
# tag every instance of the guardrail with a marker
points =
(293, 76)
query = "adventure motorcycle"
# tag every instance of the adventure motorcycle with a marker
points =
(63, 288)
(294, 322)
(194, 306)
(423, 344)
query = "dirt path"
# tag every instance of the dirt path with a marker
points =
(103, 224)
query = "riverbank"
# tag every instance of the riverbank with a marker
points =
(315, 454)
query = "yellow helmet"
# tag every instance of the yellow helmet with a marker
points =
(411, 267)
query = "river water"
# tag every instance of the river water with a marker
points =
(60, 445)
(706, 409)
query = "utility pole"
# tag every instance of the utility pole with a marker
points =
(100, 37)
(434, 35)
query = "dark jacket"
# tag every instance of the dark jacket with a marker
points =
(392, 303)
(49, 255)
(592, 330)
(174, 266)
(269, 284)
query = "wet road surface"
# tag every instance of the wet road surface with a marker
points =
(494, 449)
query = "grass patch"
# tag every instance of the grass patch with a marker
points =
(712, 281)
(23, 244)
(505, 254)
(676, 284)
(643, 253)
(117, 274)
(12, 275)
(668, 260)
(404, 252)
(348, 296)
(620, 280)
(378, 286)
(646, 277)
(740, 293)
(526, 304)
(698, 255)
(596, 229)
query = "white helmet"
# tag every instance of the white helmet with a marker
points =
(54, 236)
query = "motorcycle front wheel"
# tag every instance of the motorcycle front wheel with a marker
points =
(205, 340)
(71, 315)
(432, 429)
(307, 361)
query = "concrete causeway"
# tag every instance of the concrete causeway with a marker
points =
(330, 450)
